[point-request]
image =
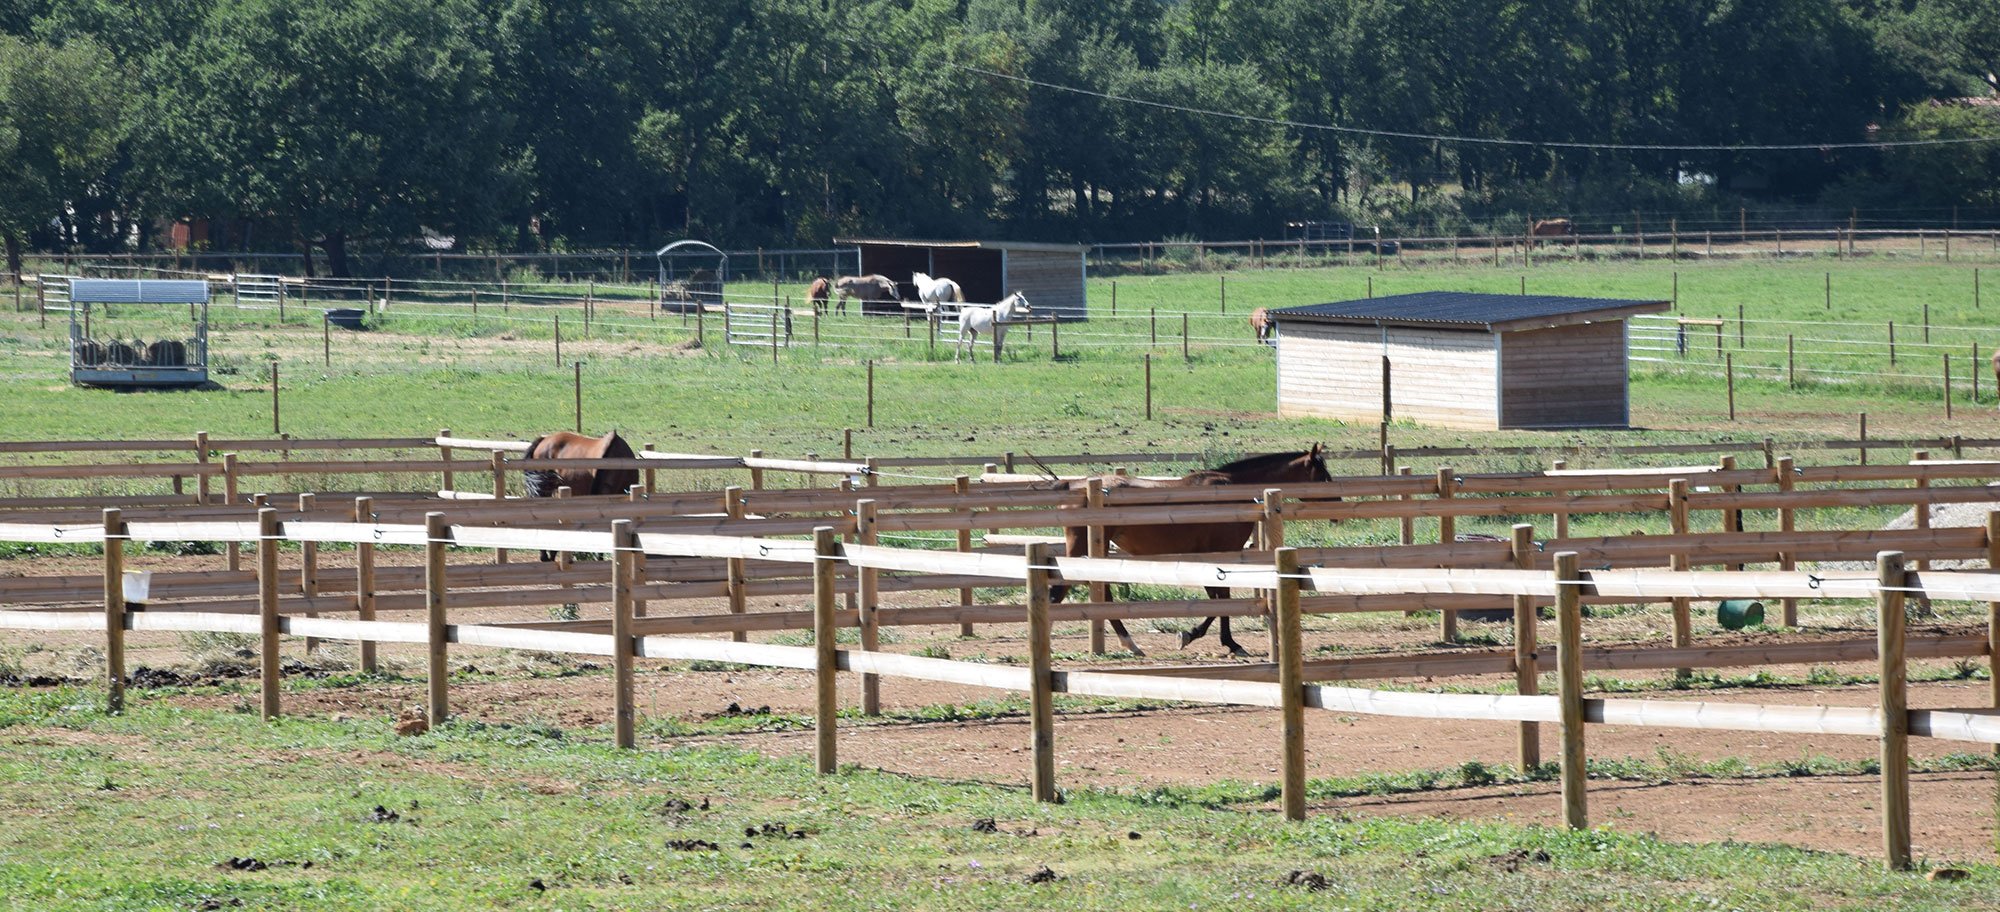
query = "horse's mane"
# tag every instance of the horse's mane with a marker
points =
(1254, 463)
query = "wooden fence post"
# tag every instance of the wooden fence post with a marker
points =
(114, 611)
(1041, 699)
(1920, 511)
(732, 506)
(1291, 681)
(871, 392)
(1447, 534)
(1890, 577)
(201, 456)
(1677, 510)
(1271, 537)
(1527, 673)
(229, 491)
(871, 631)
(826, 700)
(444, 453)
(1093, 493)
(1787, 522)
(1732, 520)
(624, 546)
(1148, 360)
(652, 477)
(499, 467)
(962, 486)
(309, 566)
(267, 610)
(364, 580)
(436, 533)
(1569, 688)
(1729, 370)
(1993, 614)
(756, 473)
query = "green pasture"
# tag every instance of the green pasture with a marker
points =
(431, 363)
(535, 817)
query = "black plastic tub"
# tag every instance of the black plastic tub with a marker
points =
(346, 317)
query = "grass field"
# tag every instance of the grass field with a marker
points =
(431, 364)
(135, 811)
(159, 799)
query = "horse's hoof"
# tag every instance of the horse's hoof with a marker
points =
(1134, 649)
(1239, 652)
(1186, 638)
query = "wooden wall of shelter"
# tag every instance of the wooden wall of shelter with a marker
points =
(1479, 362)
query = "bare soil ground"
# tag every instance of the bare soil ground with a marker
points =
(1954, 813)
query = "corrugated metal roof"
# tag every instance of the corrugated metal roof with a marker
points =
(138, 291)
(1464, 309)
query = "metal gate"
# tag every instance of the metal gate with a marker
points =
(263, 292)
(760, 325)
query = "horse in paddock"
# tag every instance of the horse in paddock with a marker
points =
(1261, 324)
(868, 288)
(1193, 538)
(974, 319)
(820, 289)
(936, 291)
(579, 480)
(1555, 227)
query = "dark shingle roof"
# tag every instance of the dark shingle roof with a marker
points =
(1469, 310)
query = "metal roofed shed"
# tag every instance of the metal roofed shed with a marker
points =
(1459, 359)
(178, 357)
(1051, 275)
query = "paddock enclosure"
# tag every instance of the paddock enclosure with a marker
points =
(1051, 275)
(826, 555)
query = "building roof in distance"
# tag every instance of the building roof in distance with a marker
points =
(1024, 246)
(1471, 310)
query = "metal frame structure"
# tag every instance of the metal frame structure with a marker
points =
(692, 289)
(136, 364)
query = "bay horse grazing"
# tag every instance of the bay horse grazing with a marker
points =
(868, 288)
(818, 292)
(579, 480)
(978, 318)
(1194, 538)
(1260, 323)
(936, 291)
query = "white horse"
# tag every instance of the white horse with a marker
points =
(974, 319)
(936, 291)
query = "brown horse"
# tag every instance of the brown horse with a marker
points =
(869, 288)
(1555, 227)
(818, 292)
(1260, 323)
(579, 480)
(1194, 538)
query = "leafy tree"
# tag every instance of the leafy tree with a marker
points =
(63, 110)
(345, 122)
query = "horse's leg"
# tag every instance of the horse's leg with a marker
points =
(1228, 640)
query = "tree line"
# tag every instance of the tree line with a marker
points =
(345, 127)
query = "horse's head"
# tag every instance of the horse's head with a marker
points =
(921, 279)
(1017, 304)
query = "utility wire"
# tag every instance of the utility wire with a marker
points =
(1481, 140)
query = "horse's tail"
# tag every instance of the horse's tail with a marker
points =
(540, 482)
(957, 294)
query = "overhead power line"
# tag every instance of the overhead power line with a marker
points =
(1481, 140)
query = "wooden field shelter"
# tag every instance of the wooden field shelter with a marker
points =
(1051, 275)
(1459, 359)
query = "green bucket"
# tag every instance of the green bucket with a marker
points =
(1736, 614)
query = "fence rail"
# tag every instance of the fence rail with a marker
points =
(1565, 585)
